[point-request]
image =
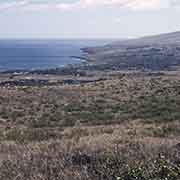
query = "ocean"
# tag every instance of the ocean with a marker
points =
(31, 54)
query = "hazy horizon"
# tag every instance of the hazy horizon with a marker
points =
(85, 38)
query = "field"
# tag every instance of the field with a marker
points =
(121, 127)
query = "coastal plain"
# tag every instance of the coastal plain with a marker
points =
(115, 117)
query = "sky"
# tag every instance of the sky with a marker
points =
(87, 18)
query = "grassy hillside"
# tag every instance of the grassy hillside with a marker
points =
(123, 128)
(160, 52)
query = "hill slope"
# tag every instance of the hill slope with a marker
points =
(159, 52)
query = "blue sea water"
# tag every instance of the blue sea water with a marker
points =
(42, 54)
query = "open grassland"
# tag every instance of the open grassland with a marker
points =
(123, 128)
(128, 151)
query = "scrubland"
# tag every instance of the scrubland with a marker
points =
(124, 128)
